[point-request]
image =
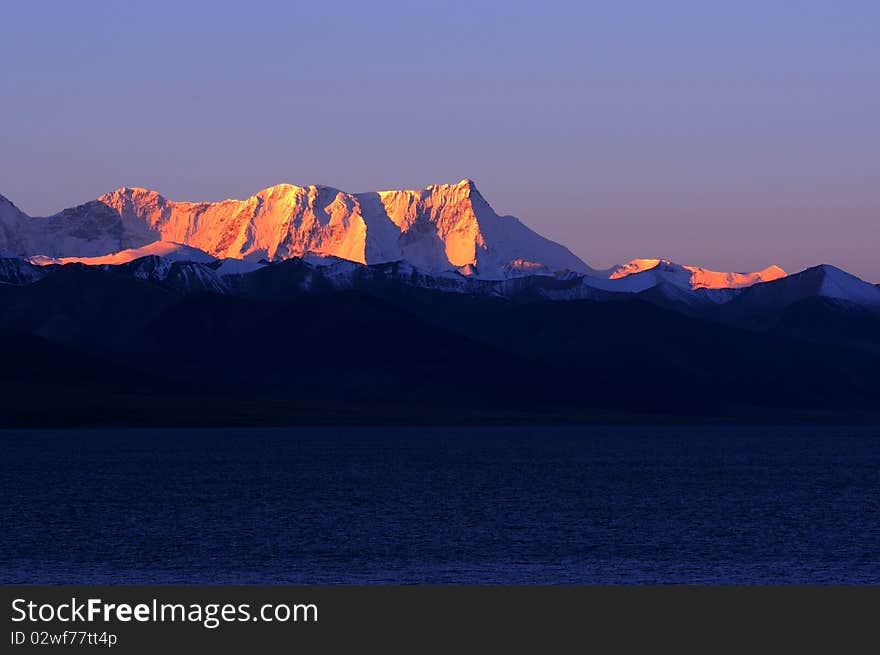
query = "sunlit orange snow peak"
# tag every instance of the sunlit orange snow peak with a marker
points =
(700, 278)
(633, 267)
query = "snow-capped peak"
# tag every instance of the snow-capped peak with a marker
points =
(694, 277)
(165, 249)
(837, 283)
(822, 281)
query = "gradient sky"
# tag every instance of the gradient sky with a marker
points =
(730, 135)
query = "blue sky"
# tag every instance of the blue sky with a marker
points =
(727, 135)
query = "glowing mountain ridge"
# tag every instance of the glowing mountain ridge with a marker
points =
(695, 277)
(439, 229)
(442, 227)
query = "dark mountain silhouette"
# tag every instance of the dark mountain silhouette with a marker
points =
(128, 345)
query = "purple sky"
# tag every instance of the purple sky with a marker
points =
(727, 135)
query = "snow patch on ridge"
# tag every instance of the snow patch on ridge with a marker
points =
(164, 249)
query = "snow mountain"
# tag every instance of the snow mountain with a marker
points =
(444, 227)
(645, 271)
(824, 281)
(441, 229)
(167, 250)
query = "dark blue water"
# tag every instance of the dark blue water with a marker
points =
(468, 505)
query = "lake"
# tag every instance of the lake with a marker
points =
(633, 504)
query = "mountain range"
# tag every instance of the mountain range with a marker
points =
(312, 304)
(445, 227)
